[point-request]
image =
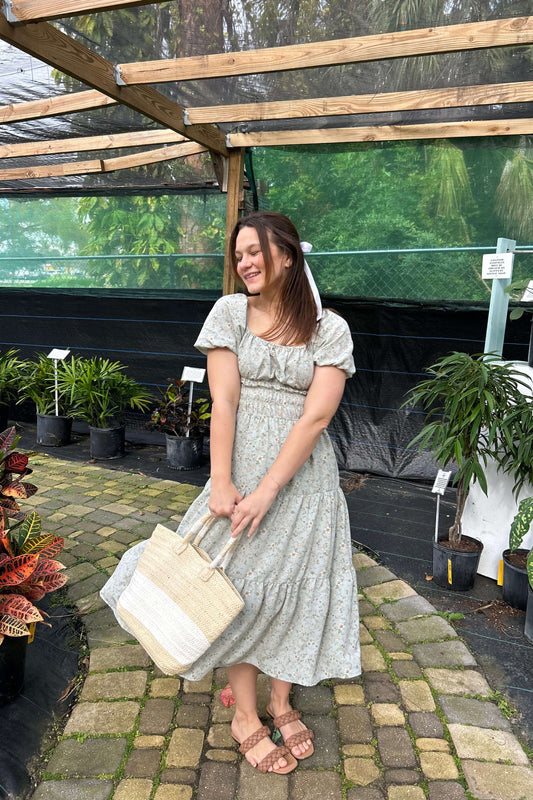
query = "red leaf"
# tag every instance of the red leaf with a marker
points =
(8, 504)
(15, 462)
(17, 569)
(19, 607)
(7, 438)
(52, 582)
(6, 545)
(30, 489)
(14, 489)
(33, 593)
(47, 566)
(12, 627)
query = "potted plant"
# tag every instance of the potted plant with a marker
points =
(10, 370)
(528, 627)
(28, 569)
(38, 384)
(99, 392)
(515, 574)
(473, 404)
(184, 422)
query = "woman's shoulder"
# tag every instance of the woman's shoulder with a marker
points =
(332, 324)
(231, 304)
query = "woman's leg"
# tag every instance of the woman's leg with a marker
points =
(243, 682)
(279, 704)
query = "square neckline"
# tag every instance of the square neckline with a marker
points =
(267, 341)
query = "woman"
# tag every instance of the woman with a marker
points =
(277, 366)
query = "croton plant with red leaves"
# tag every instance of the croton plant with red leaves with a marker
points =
(28, 569)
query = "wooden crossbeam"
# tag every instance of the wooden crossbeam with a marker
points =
(485, 94)
(52, 46)
(470, 36)
(380, 133)
(54, 106)
(85, 143)
(38, 10)
(102, 165)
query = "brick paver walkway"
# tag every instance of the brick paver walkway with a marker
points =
(419, 723)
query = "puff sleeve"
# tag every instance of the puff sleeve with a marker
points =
(225, 324)
(334, 346)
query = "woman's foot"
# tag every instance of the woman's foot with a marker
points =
(296, 736)
(259, 749)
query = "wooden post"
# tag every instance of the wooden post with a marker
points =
(234, 204)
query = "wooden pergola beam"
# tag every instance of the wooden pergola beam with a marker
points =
(453, 97)
(54, 106)
(85, 143)
(38, 10)
(399, 44)
(102, 165)
(234, 203)
(381, 133)
(69, 56)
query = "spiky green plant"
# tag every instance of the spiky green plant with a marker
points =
(99, 391)
(474, 412)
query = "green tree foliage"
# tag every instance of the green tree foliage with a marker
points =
(154, 226)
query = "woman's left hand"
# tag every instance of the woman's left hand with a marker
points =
(251, 510)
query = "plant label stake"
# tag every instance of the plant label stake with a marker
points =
(439, 485)
(194, 375)
(57, 355)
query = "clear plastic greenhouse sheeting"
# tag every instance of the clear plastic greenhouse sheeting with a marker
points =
(196, 27)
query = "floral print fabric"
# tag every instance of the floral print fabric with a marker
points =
(300, 620)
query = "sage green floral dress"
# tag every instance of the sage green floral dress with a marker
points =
(300, 619)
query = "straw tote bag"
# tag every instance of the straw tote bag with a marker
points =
(179, 600)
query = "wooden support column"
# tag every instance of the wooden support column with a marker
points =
(234, 204)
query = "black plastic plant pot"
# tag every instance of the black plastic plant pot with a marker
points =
(456, 569)
(528, 627)
(12, 664)
(515, 582)
(53, 431)
(183, 452)
(107, 443)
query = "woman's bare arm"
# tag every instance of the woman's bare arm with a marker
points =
(322, 401)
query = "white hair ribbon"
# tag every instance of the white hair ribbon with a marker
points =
(306, 248)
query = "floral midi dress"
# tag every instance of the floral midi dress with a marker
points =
(300, 618)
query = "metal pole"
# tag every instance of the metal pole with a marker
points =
(189, 410)
(499, 303)
(56, 388)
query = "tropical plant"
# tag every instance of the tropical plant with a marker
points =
(99, 392)
(474, 407)
(172, 414)
(519, 527)
(37, 382)
(10, 371)
(28, 569)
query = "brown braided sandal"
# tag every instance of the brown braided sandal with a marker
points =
(297, 738)
(270, 759)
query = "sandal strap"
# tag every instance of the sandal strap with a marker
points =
(284, 719)
(256, 737)
(299, 738)
(271, 758)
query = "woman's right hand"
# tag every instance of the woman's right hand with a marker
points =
(223, 498)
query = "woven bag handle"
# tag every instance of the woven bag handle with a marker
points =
(199, 529)
(197, 532)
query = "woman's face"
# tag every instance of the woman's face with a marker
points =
(251, 266)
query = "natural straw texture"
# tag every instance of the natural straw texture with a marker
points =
(178, 600)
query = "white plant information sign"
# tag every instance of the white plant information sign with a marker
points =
(497, 265)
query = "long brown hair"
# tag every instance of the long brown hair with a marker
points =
(295, 321)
